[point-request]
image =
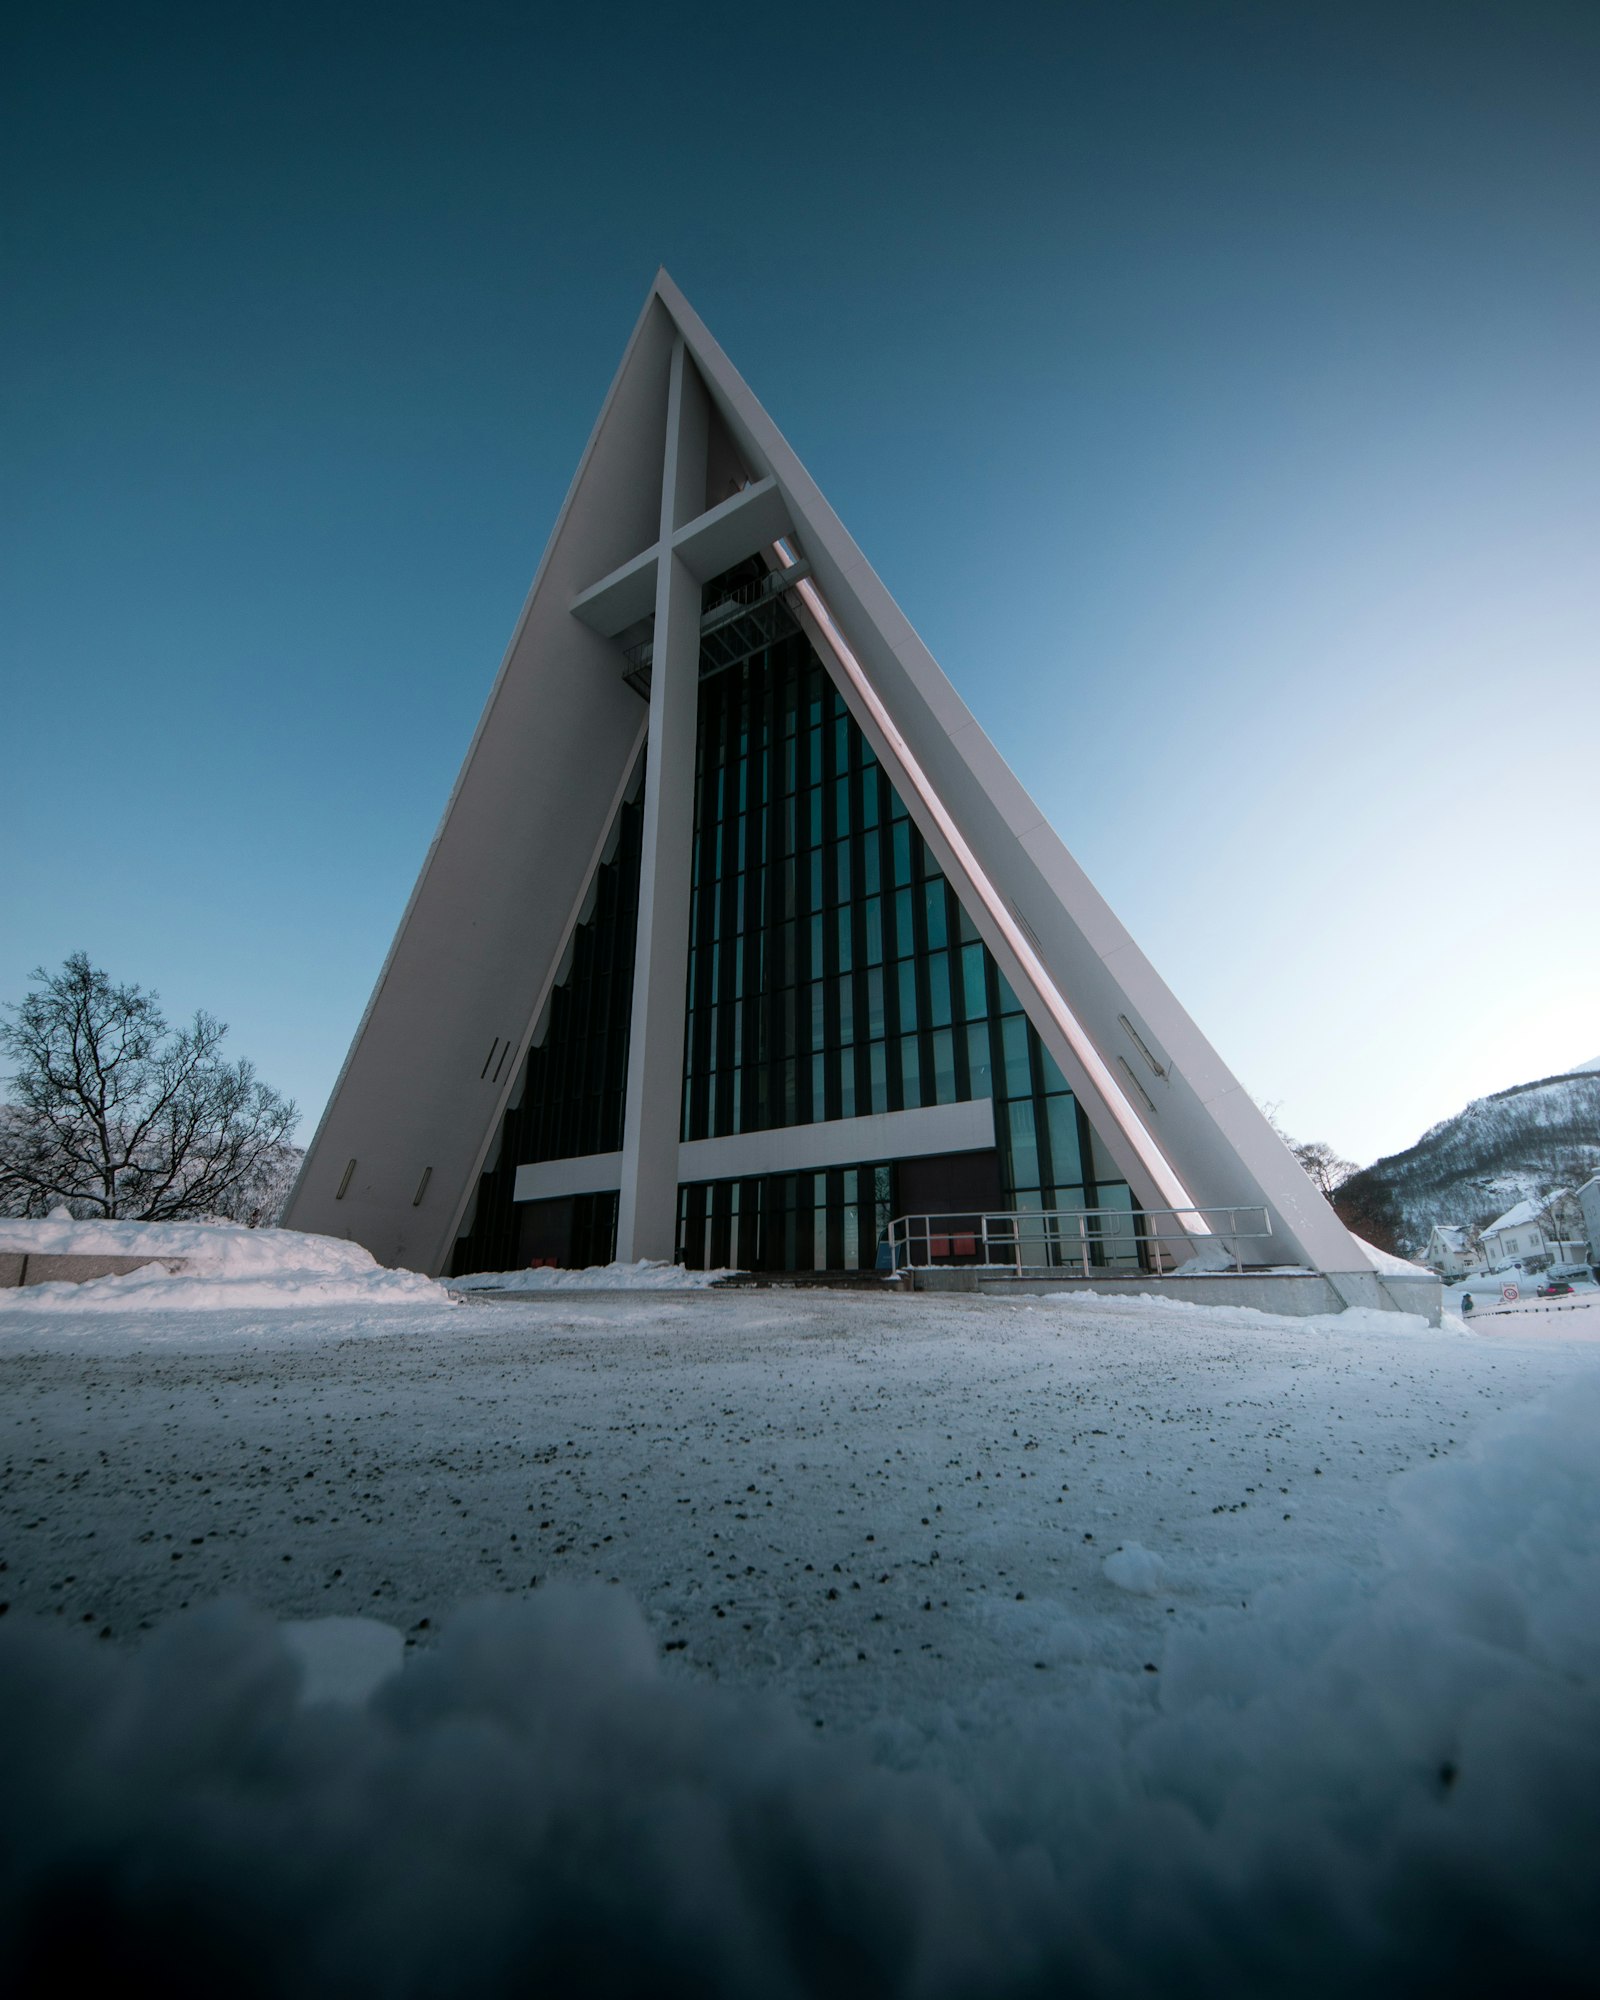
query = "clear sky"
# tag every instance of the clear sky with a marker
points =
(1217, 387)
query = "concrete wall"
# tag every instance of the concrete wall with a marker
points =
(440, 1048)
(27, 1267)
(1416, 1295)
(1296, 1296)
(1589, 1202)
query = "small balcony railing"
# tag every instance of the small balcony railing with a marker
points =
(1080, 1242)
(745, 618)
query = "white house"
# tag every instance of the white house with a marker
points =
(1450, 1253)
(1521, 1236)
(1589, 1205)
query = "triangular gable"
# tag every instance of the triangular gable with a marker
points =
(480, 946)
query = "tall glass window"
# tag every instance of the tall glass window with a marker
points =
(569, 1098)
(832, 974)
(875, 992)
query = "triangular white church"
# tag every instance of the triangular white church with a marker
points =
(738, 941)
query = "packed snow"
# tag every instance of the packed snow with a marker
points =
(1136, 1568)
(644, 1276)
(1574, 1315)
(1386, 1264)
(785, 1642)
(226, 1267)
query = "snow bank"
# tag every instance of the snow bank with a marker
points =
(1386, 1780)
(1137, 1306)
(645, 1276)
(343, 1659)
(1387, 1265)
(225, 1266)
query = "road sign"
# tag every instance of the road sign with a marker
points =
(1510, 1294)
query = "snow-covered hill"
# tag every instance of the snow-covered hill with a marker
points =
(1500, 1150)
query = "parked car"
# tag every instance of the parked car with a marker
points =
(1558, 1288)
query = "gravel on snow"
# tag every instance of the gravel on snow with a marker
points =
(881, 1509)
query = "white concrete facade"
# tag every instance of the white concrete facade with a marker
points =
(647, 1212)
(782, 1149)
(684, 476)
(1589, 1208)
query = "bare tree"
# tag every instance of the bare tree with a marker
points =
(1323, 1167)
(1364, 1204)
(263, 1195)
(1561, 1220)
(115, 1114)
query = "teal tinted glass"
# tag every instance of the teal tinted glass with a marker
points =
(1024, 1144)
(1062, 1116)
(944, 1067)
(1014, 1034)
(905, 936)
(934, 901)
(875, 1023)
(974, 992)
(908, 996)
(980, 1073)
(939, 989)
(771, 1035)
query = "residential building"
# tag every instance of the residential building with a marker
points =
(1451, 1252)
(1525, 1235)
(1589, 1208)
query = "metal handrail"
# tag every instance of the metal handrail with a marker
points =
(1069, 1236)
(736, 601)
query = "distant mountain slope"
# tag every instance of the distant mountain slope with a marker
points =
(1470, 1168)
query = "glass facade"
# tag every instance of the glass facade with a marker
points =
(832, 974)
(826, 1221)
(569, 1100)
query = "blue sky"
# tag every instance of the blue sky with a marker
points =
(1217, 388)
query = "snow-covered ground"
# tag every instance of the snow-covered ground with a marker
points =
(643, 1276)
(1575, 1316)
(823, 1643)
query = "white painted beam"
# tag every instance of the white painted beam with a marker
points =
(647, 1206)
(549, 1180)
(622, 598)
(786, 1149)
(740, 527)
(842, 1142)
